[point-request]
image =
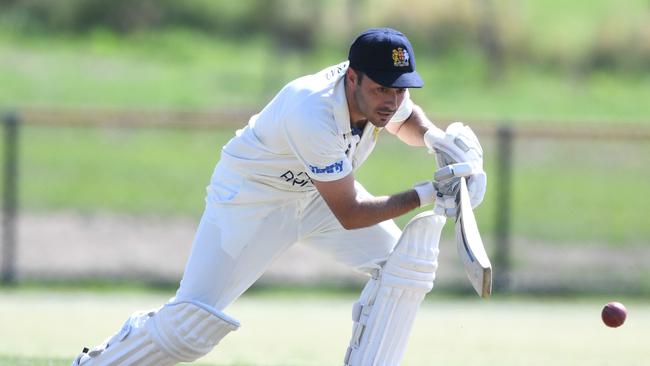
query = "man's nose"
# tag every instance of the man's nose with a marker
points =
(392, 101)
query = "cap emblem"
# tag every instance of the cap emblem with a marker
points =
(400, 57)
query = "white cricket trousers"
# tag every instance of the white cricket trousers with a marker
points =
(247, 225)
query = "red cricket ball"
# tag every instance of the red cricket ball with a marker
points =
(614, 314)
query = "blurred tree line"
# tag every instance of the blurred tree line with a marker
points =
(128, 16)
(499, 30)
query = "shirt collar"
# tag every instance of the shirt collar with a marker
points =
(340, 103)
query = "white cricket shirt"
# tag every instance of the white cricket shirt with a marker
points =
(304, 133)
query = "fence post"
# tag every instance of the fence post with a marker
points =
(10, 122)
(503, 255)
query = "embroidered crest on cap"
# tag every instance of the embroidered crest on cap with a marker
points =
(400, 57)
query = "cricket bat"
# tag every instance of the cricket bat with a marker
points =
(470, 245)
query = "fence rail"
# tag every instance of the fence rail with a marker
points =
(238, 117)
(136, 118)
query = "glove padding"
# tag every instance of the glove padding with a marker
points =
(444, 189)
(447, 184)
(459, 148)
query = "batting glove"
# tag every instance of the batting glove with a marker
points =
(455, 146)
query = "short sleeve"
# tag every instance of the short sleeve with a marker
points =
(315, 140)
(405, 109)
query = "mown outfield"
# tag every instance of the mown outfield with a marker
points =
(46, 328)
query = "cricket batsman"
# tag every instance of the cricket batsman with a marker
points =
(288, 177)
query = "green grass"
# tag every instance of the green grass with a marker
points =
(571, 26)
(134, 170)
(183, 70)
(171, 70)
(49, 328)
(527, 95)
(566, 191)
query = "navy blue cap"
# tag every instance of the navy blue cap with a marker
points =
(387, 57)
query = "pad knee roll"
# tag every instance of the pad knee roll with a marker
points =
(177, 332)
(385, 313)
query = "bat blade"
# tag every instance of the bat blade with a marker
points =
(470, 245)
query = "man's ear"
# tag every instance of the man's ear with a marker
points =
(351, 76)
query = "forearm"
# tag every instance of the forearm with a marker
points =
(373, 210)
(354, 210)
(412, 130)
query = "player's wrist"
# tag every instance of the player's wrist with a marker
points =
(432, 136)
(426, 192)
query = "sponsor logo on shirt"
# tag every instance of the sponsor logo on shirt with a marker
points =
(335, 71)
(296, 179)
(336, 167)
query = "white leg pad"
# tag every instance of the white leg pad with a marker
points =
(384, 314)
(177, 332)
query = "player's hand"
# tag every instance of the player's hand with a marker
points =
(447, 183)
(440, 193)
(459, 144)
(443, 190)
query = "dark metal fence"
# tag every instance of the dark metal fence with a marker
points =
(10, 124)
